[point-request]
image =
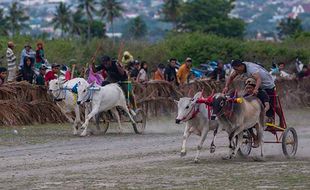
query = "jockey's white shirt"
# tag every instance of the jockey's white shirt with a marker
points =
(266, 77)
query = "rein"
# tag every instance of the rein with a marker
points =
(194, 114)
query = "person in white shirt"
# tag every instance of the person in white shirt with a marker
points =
(11, 59)
(142, 76)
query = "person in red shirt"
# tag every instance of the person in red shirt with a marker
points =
(52, 74)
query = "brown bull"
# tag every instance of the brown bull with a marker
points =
(237, 116)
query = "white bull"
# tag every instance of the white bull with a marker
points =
(102, 99)
(67, 100)
(197, 121)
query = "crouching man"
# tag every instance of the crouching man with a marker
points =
(250, 84)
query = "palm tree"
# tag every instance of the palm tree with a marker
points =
(88, 7)
(16, 18)
(78, 24)
(171, 10)
(62, 18)
(111, 9)
(136, 28)
(3, 24)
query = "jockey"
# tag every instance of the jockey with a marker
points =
(116, 74)
(263, 79)
(261, 95)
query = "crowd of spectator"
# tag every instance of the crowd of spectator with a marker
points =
(34, 69)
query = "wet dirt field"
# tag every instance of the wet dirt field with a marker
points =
(50, 157)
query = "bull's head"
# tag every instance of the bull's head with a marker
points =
(55, 87)
(186, 108)
(219, 102)
(83, 92)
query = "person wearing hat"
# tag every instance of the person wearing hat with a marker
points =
(40, 78)
(39, 55)
(127, 58)
(26, 52)
(51, 75)
(263, 80)
(184, 71)
(11, 59)
(250, 84)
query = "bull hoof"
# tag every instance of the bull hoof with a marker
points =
(227, 157)
(183, 154)
(196, 160)
(212, 149)
(83, 134)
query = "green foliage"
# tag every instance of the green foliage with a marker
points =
(111, 9)
(88, 7)
(16, 18)
(210, 16)
(199, 46)
(171, 11)
(136, 28)
(3, 24)
(97, 29)
(61, 18)
(289, 27)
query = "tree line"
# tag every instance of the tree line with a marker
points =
(89, 19)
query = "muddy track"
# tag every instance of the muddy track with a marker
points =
(152, 160)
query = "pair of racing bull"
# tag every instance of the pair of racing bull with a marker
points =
(97, 99)
(234, 115)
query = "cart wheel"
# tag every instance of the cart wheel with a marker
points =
(246, 146)
(140, 120)
(289, 142)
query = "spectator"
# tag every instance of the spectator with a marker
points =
(127, 58)
(142, 76)
(184, 71)
(40, 78)
(3, 73)
(305, 72)
(218, 73)
(282, 71)
(27, 52)
(27, 73)
(159, 74)
(52, 74)
(135, 70)
(11, 59)
(39, 55)
(170, 73)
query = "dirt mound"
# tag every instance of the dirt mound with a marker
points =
(26, 113)
(24, 104)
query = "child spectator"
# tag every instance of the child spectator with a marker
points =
(159, 74)
(51, 75)
(39, 55)
(184, 71)
(27, 72)
(40, 78)
(3, 73)
(142, 76)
